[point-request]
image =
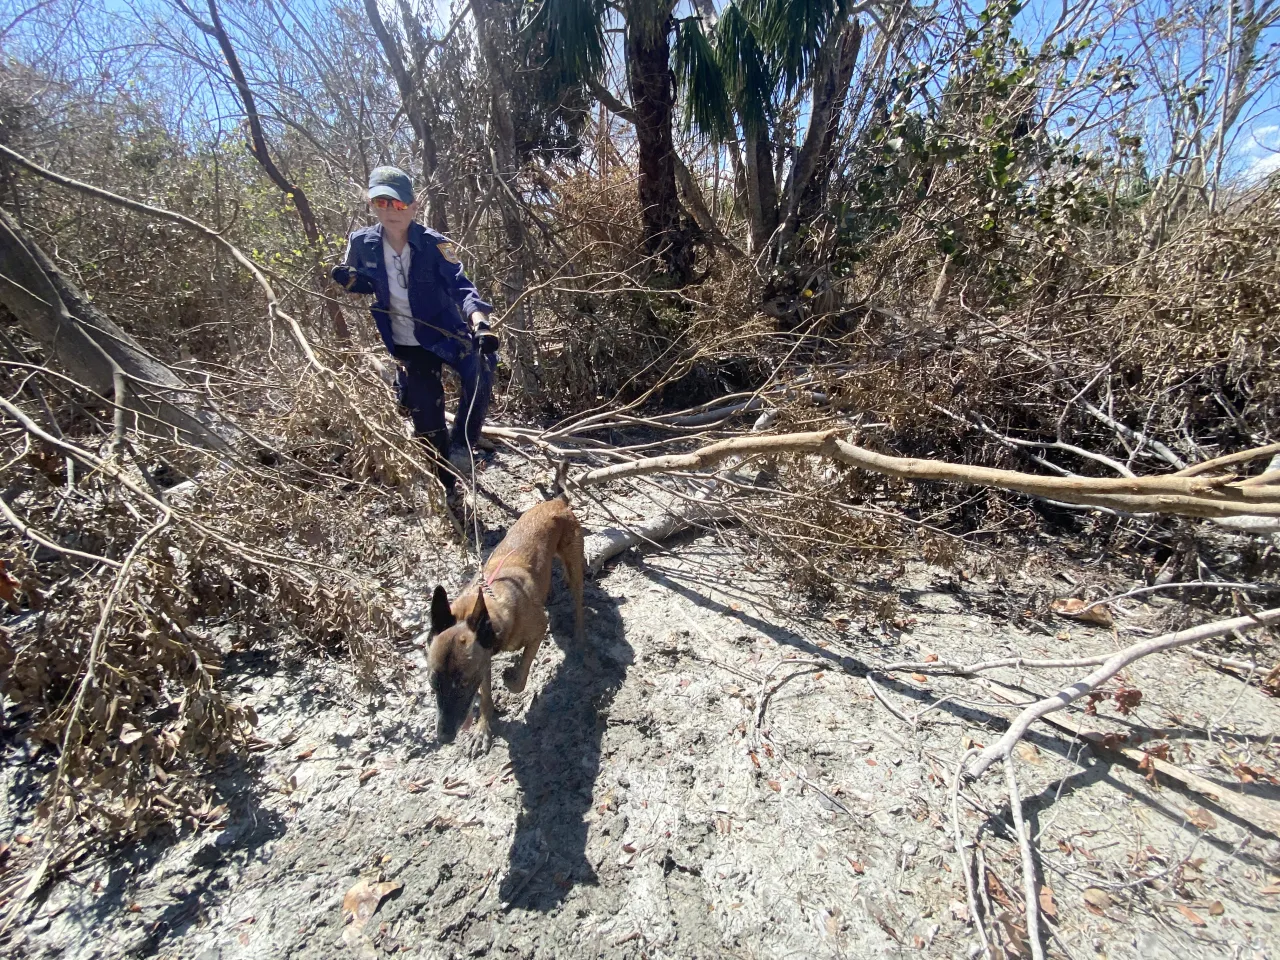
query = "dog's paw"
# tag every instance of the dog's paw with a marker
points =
(510, 676)
(481, 741)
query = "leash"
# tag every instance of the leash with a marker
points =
(486, 583)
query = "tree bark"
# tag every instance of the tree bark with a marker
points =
(411, 100)
(89, 347)
(806, 183)
(695, 203)
(648, 51)
(505, 164)
(762, 189)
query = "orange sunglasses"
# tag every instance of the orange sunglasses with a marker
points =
(385, 203)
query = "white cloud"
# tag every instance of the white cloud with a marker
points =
(1268, 136)
(1262, 166)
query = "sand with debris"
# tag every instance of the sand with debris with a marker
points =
(711, 775)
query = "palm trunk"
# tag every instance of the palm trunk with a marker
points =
(648, 51)
(505, 163)
(806, 184)
(762, 189)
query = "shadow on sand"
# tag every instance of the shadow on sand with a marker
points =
(555, 753)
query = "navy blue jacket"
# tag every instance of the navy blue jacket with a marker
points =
(440, 295)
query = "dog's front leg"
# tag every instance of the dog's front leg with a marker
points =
(516, 676)
(483, 739)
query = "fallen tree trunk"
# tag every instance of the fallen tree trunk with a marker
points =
(602, 547)
(92, 349)
(1183, 496)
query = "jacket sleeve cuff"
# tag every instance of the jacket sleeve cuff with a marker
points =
(471, 304)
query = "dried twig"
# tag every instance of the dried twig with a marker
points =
(71, 728)
(1188, 584)
(34, 536)
(884, 700)
(1113, 665)
(1028, 862)
(966, 866)
(1258, 813)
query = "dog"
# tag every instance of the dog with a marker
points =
(502, 612)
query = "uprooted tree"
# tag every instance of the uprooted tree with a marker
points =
(90, 348)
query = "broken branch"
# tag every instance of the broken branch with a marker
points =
(1184, 496)
(1113, 665)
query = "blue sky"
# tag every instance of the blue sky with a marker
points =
(1259, 151)
(1253, 153)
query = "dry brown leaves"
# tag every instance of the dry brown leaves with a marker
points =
(156, 719)
(1079, 610)
(361, 902)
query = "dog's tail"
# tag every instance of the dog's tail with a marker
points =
(558, 486)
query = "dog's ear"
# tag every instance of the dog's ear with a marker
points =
(481, 625)
(442, 617)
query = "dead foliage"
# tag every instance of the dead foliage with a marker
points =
(112, 668)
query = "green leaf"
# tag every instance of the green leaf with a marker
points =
(743, 65)
(701, 82)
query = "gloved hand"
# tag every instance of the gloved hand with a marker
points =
(486, 339)
(344, 276)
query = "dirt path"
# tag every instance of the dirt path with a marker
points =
(640, 801)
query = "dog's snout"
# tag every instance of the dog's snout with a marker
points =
(445, 736)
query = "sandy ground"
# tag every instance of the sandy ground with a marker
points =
(710, 777)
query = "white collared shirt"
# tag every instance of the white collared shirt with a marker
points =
(398, 265)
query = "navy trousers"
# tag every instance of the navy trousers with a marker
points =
(422, 398)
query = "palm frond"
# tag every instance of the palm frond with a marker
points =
(701, 82)
(792, 31)
(574, 36)
(742, 61)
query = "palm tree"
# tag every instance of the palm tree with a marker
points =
(573, 33)
(667, 235)
(730, 71)
(764, 51)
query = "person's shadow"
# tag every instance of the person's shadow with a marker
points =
(555, 753)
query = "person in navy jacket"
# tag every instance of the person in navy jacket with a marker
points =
(428, 314)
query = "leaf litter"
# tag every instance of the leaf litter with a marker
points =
(675, 776)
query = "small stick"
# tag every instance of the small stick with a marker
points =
(1028, 863)
(768, 691)
(880, 695)
(546, 855)
(1221, 662)
(1257, 813)
(1113, 665)
(32, 535)
(964, 670)
(1212, 584)
(966, 868)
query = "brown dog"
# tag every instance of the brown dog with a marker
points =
(500, 613)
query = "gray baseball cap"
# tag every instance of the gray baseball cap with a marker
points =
(391, 182)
